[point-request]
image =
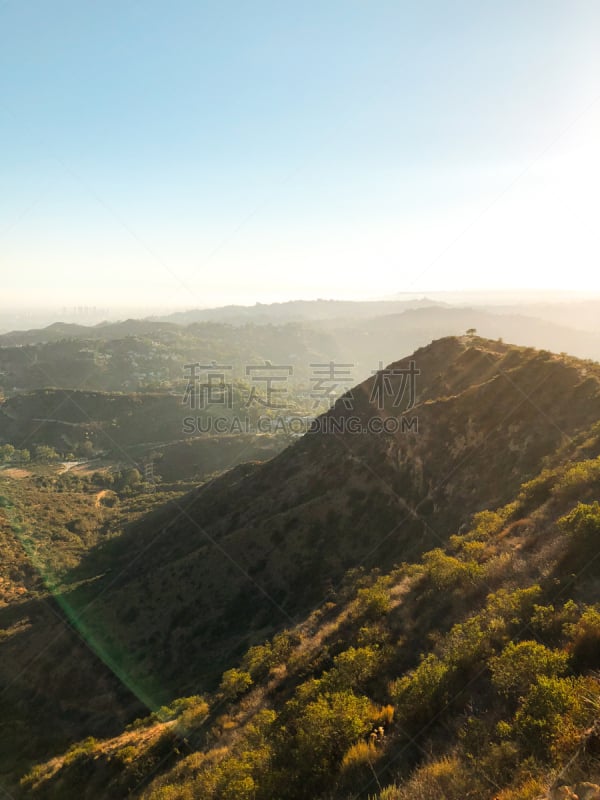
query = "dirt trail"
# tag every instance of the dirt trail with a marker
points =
(16, 472)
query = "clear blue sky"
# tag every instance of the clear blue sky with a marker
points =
(201, 152)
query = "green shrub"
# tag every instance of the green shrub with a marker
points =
(421, 693)
(327, 727)
(519, 665)
(259, 659)
(514, 608)
(359, 755)
(446, 572)
(543, 712)
(81, 749)
(549, 622)
(352, 668)
(126, 755)
(176, 709)
(537, 491)
(234, 683)
(585, 639)
(192, 716)
(446, 778)
(487, 524)
(7, 451)
(573, 482)
(45, 454)
(373, 602)
(468, 643)
(581, 527)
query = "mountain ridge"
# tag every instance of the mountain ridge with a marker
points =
(295, 524)
(459, 662)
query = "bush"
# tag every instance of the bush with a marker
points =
(81, 750)
(519, 665)
(385, 716)
(576, 479)
(234, 683)
(373, 602)
(352, 668)
(486, 524)
(359, 755)
(419, 695)
(7, 451)
(544, 711)
(45, 454)
(446, 778)
(130, 478)
(582, 523)
(585, 639)
(261, 658)
(326, 728)
(582, 529)
(537, 491)
(126, 755)
(514, 608)
(189, 711)
(192, 716)
(549, 622)
(21, 456)
(446, 572)
(468, 643)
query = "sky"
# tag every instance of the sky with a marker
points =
(191, 154)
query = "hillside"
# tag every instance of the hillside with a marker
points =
(141, 354)
(55, 686)
(177, 595)
(80, 421)
(259, 545)
(399, 616)
(250, 553)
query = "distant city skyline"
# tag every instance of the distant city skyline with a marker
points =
(206, 153)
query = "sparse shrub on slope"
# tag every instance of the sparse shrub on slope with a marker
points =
(520, 664)
(553, 714)
(484, 702)
(234, 683)
(447, 778)
(584, 636)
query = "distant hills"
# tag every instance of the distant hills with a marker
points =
(298, 311)
(150, 355)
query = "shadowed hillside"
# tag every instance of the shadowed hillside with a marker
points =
(246, 554)
(418, 607)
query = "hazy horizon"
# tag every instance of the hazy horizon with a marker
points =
(511, 295)
(531, 301)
